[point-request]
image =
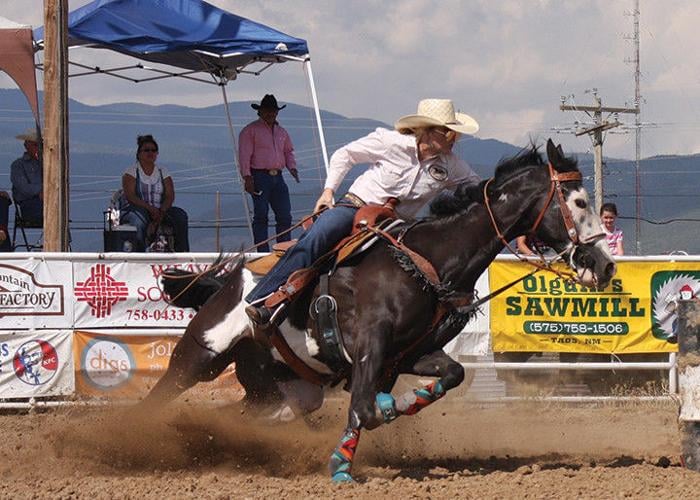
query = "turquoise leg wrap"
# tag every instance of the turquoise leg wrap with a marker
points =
(341, 459)
(387, 406)
(414, 401)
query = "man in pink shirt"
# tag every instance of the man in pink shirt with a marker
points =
(264, 150)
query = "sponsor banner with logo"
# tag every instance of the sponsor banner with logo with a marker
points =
(35, 294)
(126, 294)
(127, 366)
(36, 364)
(474, 339)
(635, 313)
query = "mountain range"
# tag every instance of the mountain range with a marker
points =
(197, 148)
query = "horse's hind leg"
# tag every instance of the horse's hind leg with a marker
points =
(437, 364)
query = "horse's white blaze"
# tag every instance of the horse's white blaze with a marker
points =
(503, 197)
(589, 230)
(587, 222)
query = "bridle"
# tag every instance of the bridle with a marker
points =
(555, 186)
(556, 178)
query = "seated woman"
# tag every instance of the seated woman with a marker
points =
(150, 193)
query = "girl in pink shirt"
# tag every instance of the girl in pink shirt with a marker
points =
(613, 234)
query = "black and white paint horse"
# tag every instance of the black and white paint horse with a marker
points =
(384, 311)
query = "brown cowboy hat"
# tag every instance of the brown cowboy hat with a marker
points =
(268, 102)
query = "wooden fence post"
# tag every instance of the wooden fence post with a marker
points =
(689, 381)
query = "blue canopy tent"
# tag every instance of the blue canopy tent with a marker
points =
(205, 43)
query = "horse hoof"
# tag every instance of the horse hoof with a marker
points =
(342, 477)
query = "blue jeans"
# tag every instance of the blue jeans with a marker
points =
(174, 216)
(330, 227)
(273, 194)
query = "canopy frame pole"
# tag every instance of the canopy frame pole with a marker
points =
(317, 111)
(97, 70)
(234, 142)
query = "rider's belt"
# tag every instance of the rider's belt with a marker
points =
(271, 171)
(353, 200)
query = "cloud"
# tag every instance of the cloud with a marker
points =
(515, 127)
(507, 61)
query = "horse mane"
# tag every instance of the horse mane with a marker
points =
(187, 289)
(465, 195)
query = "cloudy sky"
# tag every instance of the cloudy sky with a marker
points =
(506, 62)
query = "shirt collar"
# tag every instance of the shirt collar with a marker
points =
(27, 156)
(263, 122)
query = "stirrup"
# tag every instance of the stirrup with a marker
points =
(254, 313)
(277, 311)
(259, 314)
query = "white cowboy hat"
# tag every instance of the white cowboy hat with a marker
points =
(28, 135)
(438, 113)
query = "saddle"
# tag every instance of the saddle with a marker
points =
(368, 219)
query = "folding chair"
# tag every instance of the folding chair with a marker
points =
(117, 237)
(22, 225)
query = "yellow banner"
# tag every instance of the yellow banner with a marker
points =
(127, 366)
(635, 313)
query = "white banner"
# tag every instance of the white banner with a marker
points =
(36, 364)
(35, 294)
(113, 294)
(474, 339)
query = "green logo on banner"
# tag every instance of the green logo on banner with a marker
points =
(667, 288)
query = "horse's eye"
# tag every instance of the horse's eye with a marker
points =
(580, 203)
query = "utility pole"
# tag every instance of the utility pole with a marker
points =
(55, 134)
(596, 130)
(217, 211)
(637, 131)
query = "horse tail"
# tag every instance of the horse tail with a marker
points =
(193, 290)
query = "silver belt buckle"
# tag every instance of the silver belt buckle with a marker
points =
(273, 172)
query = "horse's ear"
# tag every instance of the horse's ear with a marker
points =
(560, 150)
(552, 152)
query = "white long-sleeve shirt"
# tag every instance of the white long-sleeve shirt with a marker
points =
(395, 171)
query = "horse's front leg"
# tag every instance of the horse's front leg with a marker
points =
(437, 364)
(366, 373)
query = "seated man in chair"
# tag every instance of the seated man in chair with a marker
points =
(27, 178)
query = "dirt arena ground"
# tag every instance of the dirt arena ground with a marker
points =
(449, 451)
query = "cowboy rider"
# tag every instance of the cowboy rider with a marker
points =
(411, 164)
